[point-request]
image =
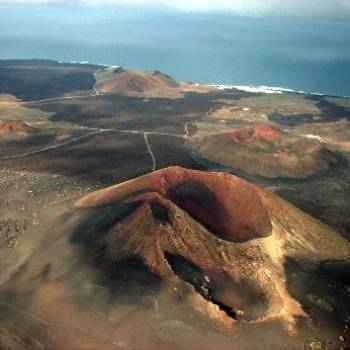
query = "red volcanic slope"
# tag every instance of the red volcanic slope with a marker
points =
(135, 82)
(157, 219)
(225, 204)
(259, 133)
(12, 127)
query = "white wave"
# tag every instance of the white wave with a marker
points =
(260, 89)
(85, 63)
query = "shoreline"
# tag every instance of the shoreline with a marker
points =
(253, 88)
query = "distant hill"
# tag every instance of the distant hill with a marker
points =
(143, 84)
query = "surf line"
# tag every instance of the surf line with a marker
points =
(145, 135)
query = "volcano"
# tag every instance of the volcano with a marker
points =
(145, 84)
(215, 236)
(268, 151)
(176, 259)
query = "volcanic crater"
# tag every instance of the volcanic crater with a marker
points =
(213, 237)
(268, 151)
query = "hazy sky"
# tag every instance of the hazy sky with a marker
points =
(329, 9)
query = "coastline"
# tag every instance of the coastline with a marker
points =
(264, 89)
(252, 88)
(260, 89)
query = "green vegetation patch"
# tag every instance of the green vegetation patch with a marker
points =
(320, 303)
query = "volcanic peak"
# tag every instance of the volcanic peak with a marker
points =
(227, 205)
(258, 133)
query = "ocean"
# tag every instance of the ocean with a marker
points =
(300, 54)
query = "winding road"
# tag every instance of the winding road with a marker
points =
(94, 88)
(141, 132)
(50, 148)
(58, 98)
(145, 135)
(99, 131)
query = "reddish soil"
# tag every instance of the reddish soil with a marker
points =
(14, 127)
(227, 205)
(128, 82)
(257, 133)
(269, 152)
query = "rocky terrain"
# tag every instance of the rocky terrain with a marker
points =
(39, 79)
